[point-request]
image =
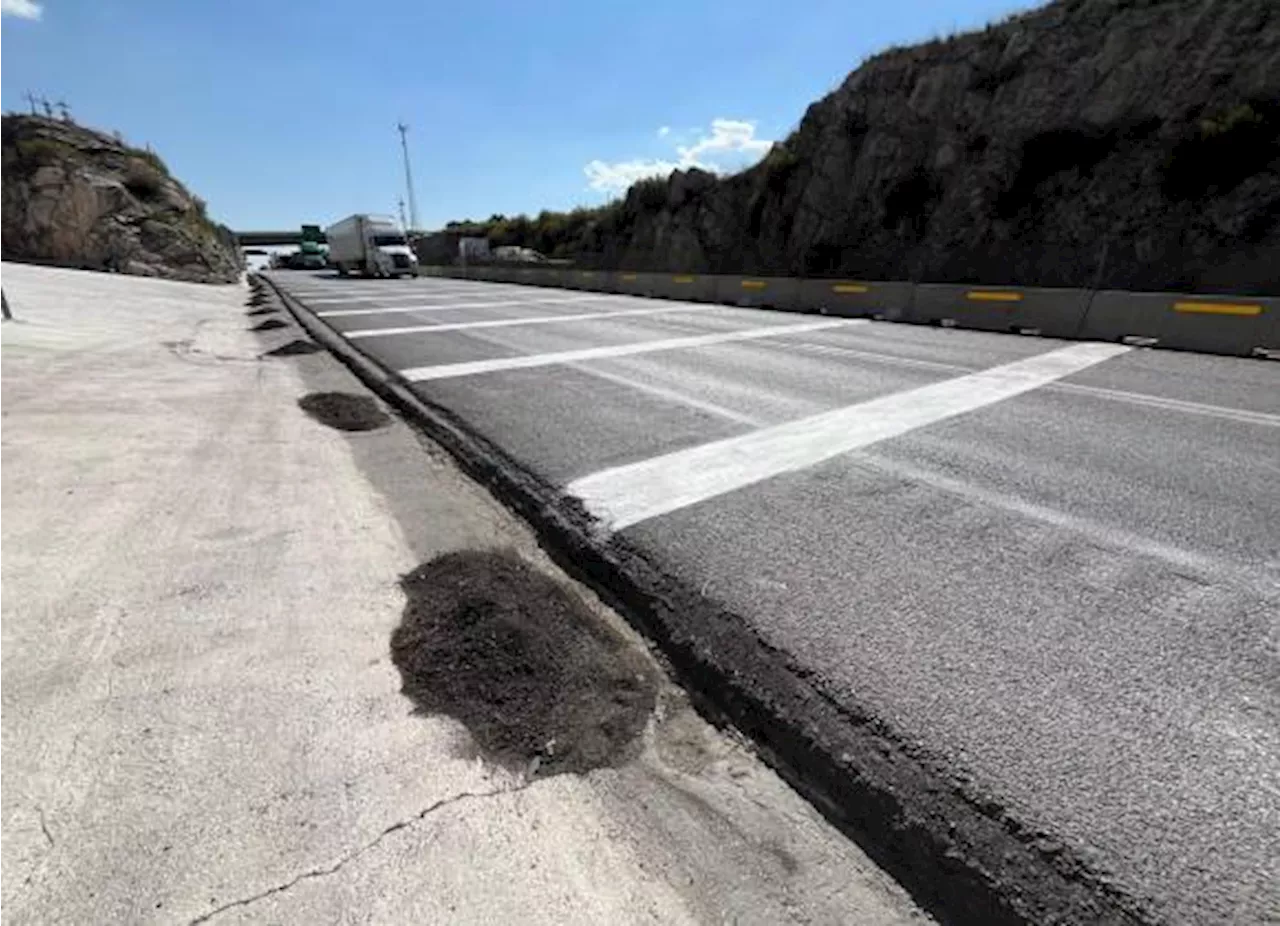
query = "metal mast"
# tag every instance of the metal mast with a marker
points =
(408, 177)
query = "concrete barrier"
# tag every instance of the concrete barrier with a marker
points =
(590, 280)
(1056, 313)
(635, 283)
(694, 287)
(542, 276)
(854, 298)
(757, 291)
(532, 276)
(1245, 326)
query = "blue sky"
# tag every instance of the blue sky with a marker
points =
(283, 113)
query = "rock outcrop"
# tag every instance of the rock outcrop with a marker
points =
(1090, 143)
(76, 197)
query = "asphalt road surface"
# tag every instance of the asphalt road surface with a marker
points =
(1053, 565)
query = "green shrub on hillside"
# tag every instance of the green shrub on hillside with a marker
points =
(143, 181)
(30, 154)
(650, 193)
(146, 154)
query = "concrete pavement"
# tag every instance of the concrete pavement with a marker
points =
(201, 721)
(1048, 575)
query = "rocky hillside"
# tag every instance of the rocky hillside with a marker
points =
(1112, 143)
(80, 198)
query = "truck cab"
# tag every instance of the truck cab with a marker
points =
(370, 244)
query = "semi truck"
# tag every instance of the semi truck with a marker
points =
(374, 245)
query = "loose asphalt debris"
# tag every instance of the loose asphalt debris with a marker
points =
(271, 324)
(541, 683)
(344, 411)
(294, 348)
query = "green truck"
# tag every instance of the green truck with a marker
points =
(312, 254)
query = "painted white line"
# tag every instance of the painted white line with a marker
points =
(371, 297)
(669, 395)
(625, 495)
(1104, 535)
(368, 290)
(470, 368)
(508, 322)
(391, 310)
(1238, 415)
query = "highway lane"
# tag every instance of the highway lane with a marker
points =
(1054, 566)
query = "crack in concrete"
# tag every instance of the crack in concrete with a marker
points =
(44, 827)
(345, 860)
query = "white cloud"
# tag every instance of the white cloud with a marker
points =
(730, 145)
(728, 136)
(23, 9)
(617, 176)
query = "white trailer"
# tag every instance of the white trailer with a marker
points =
(374, 245)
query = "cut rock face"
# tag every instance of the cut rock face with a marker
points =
(539, 681)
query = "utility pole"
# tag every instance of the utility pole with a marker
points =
(401, 202)
(408, 177)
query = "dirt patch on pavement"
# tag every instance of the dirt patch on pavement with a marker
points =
(344, 411)
(539, 681)
(294, 348)
(271, 324)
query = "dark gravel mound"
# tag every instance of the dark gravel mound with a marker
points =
(294, 348)
(271, 324)
(537, 679)
(344, 411)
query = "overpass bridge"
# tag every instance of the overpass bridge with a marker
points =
(248, 239)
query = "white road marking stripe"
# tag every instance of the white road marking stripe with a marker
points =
(625, 495)
(470, 368)
(507, 322)
(370, 290)
(1104, 535)
(670, 395)
(391, 310)
(1238, 415)
(370, 297)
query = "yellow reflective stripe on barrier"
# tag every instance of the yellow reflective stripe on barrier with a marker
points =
(850, 288)
(1218, 308)
(627, 276)
(983, 295)
(753, 284)
(682, 279)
